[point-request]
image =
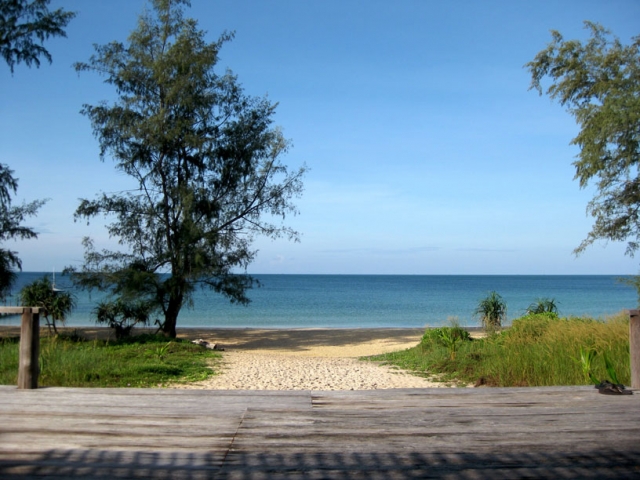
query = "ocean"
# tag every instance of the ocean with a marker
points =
(374, 301)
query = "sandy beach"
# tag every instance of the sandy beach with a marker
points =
(308, 359)
(297, 359)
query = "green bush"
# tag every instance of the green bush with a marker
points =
(537, 350)
(543, 305)
(447, 337)
(492, 311)
(434, 335)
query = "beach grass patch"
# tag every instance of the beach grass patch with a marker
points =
(538, 350)
(144, 361)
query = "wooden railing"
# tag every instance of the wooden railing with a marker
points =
(634, 347)
(29, 366)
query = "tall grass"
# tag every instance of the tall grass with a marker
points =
(537, 350)
(144, 361)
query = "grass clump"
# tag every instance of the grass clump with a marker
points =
(492, 311)
(141, 361)
(538, 350)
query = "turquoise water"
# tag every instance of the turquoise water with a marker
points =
(369, 301)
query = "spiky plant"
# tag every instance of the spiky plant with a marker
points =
(543, 305)
(492, 311)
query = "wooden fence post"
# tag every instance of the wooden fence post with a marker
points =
(634, 347)
(29, 366)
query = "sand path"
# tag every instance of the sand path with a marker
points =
(297, 359)
(308, 359)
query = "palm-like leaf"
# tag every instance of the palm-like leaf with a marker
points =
(492, 311)
(57, 305)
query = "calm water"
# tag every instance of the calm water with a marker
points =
(347, 301)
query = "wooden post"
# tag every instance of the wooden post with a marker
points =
(29, 366)
(634, 347)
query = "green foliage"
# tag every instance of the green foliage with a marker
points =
(11, 228)
(205, 157)
(435, 335)
(449, 337)
(537, 350)
(599, 83)
(543, 305)
(128, 363)
(492, 311)
(587, 357)
(57, 304)
(610, 368)
(123, 315)
(23, 23)
(160, 351)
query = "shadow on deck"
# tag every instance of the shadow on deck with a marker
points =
(557, 432)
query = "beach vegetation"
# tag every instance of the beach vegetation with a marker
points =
(57, 304)
(205, 159)
(449, 337)
(543, 305)
(492, 311)
(598, 82)
(122, 315)
(24, 26)
(138, 361)
(12, 227)
(587, 357)
(537, 350)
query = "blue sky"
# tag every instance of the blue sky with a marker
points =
(427, 152)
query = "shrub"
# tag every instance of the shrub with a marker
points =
(543, 305)
(537, 350)
(492, 311)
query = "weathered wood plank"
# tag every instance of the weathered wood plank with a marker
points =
(499, 433)
(566, 432)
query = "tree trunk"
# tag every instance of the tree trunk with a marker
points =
(171, 316)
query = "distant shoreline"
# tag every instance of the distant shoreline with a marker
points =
(190, 332)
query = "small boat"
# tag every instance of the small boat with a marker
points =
(53, 283)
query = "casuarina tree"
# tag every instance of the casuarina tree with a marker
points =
(25, 25)
(599, 83)
(22, 24)
(206, 159)
(12, 227)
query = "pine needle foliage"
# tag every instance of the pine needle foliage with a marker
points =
(206, 159)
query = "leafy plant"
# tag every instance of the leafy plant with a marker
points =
(543, 305)
(587, 356)
(122, 316)
(610, 368)
(160, 351)
(492, 311)
(449, 337)
(57, 304)
(450, 340)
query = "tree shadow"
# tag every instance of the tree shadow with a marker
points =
(95, 463)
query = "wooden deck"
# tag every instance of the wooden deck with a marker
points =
(560, 432)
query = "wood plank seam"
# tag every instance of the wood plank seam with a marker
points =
(233, 438)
